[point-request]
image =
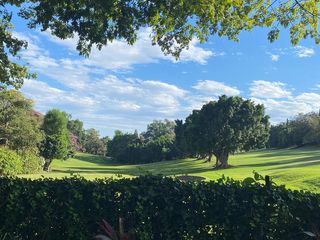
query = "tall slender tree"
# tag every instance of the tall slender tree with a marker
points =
(56, 143)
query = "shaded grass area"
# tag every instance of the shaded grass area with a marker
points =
(296, 168)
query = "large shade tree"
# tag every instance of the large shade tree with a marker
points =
(226, 126)
(173, 23)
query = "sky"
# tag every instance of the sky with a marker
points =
(127, 87)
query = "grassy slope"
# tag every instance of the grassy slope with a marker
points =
(296, 168)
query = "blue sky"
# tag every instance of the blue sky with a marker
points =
(126, 87)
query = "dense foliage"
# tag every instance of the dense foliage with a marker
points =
(154, 145)
(301, 130)
(57, 142)
(11, 72)
(93, 143)
(221, 127)
(19, 123)
(173, 23)
(155, 208)
(77, 133)
(30, 134)
(20, 132)
(10, 162)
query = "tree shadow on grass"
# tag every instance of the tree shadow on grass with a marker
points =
(99, 160)
(287, 163)
(289, 152)
(311, 162)
(133, 171)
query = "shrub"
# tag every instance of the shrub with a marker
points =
(32, 163)
(155, 208)
(10, 162)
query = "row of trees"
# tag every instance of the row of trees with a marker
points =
(220, 128)
(34, 136)
(157, 143)
(301, 130)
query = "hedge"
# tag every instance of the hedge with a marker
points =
(155, 207)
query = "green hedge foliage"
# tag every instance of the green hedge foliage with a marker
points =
(10, 162)
(155, 208)
(32, 163)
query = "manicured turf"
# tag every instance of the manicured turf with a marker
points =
(296, 168)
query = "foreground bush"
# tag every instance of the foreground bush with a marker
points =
(10, 162)
(154, 208)
(32, 163)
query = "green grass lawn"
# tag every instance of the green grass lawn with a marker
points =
(296, 168)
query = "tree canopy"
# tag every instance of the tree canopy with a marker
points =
(226, 126)
(301, 130)
(154, 145)
(93, 143)
(19, 125)
(173, 23)
(56, 143)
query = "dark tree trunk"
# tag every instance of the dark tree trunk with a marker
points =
(201, 156)
(222, 160)
(210, 158)
(47, 165)
(217, 161)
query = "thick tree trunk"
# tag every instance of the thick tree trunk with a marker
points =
(47, 165)
(222, 161)
(210, 157)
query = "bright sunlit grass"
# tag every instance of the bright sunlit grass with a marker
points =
(296, 168)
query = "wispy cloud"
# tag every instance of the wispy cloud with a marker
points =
(95, 91)
(298, 51)
(118, 55)
(267, 89)
(215, 88)
(304, 52)
(273, 57)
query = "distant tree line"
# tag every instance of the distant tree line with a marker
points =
(302, 130)
(157, 143)
(219, 129)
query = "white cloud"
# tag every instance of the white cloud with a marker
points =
(275, 57)
(312, 99)
(86, 89)
(197, 101)
(304, 52)
(280, 110)
(215, 88)
(125, 103)
(266, 89)
(118, 55)
(299, 51)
